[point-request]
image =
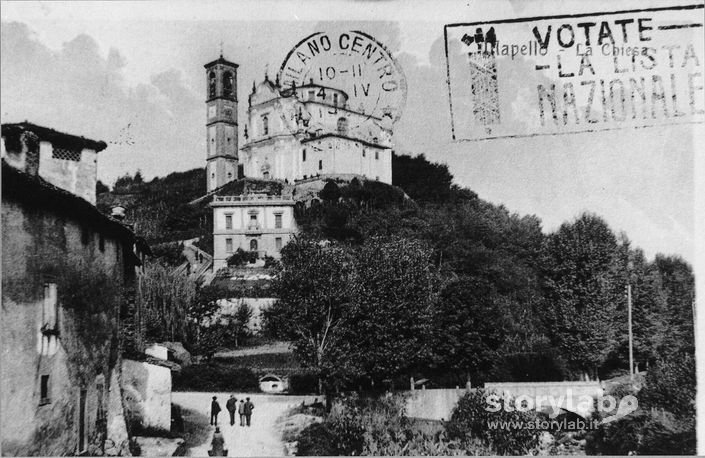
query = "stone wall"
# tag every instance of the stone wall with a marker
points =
(571, 395)
(147, 395)
(41, 247)
(432, 404)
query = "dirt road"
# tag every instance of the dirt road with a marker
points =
(263, 438)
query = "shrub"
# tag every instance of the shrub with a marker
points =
(376, 426)
(305, 383)
(241, 257)
(315, 440)
(665, 422)
(470, 420)
(170, 253)
(215, 377)
(670, 385)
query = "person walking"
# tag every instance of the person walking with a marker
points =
(241, 411)
(249, 407)
(231, 405)
(215, 410)
(218, 444)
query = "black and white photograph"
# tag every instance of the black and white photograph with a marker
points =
(352, 227)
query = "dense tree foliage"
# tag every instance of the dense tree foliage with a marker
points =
(355, 311)
(583, 290)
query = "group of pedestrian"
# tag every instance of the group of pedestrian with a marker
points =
(244, 409)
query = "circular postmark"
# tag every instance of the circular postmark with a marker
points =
(352, 62)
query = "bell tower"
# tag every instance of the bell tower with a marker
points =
(221, 123)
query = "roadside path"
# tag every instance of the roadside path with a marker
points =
(263, 438)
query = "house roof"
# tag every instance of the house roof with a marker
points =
(39, 193)
(54, 136)
(221, 60)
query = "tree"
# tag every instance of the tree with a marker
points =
(392, 320)
(472, 325)
(584, 288)
(420, 179)
(243, 315)
(166, 298)
(314, 286)
(101, 187)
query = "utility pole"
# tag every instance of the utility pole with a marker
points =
(631, 345)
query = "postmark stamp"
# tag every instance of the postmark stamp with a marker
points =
(353, 62)
(578, 73)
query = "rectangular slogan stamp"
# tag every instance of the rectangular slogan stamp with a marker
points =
(575, 73)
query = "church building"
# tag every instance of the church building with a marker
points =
(301, 132)
(291, 135)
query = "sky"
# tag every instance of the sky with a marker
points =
(131, 74)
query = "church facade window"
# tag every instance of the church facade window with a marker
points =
(343, 126)
(265, 125)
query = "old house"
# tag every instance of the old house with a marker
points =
(258, 223)
(65, 267)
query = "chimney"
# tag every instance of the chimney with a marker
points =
(22, 151)
(30, 148)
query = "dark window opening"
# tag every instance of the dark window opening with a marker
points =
(265, 125)
(82, 432)
(304, 156)
(44, 390)
(227, 84)
(211, 84)
(376, 154)
(278, 221)
(101, 243)
(320, 165)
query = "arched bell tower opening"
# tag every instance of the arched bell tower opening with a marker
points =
(221, 123)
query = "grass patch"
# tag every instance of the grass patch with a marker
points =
(284, 362)
(196, 431)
